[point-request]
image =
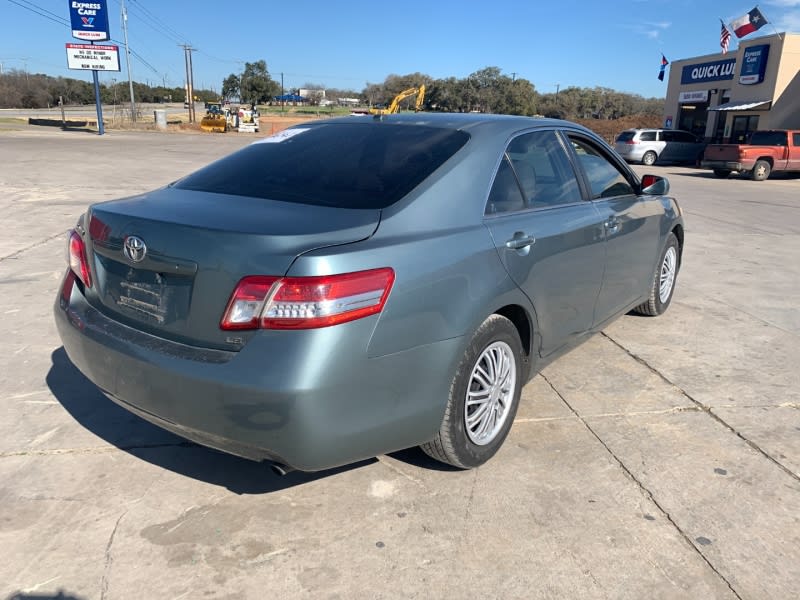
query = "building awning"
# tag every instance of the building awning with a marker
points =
(752, 105)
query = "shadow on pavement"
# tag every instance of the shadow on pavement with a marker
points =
(89, 407)
(417, 458)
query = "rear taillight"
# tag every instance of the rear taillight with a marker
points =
(76, 251)
(631, 142)
(306, 302)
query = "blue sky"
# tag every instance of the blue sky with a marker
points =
(347, 44)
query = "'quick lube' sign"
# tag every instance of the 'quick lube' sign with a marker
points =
(89, 20)
(710, 71)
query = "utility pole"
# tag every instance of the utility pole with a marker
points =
(128, 58)
(283, 102)
(187, 55)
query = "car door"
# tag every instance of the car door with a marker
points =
(794, 153)
(691, 149)
(631, 224)
(549, 237)
(671, 151)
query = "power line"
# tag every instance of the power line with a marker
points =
(148, 19)
(45, 13)
(178, 37)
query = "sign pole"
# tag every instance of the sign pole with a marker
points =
(89, 22)
(100, 129)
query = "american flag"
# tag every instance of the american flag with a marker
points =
(724, 37)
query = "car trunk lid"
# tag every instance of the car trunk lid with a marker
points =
(187, 250)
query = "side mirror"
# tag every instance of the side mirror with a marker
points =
(654, 185)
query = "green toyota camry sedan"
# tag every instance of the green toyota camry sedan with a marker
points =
(356, 286)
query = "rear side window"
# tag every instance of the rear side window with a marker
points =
(669, 136)
(768, 138)
(626, 136)
(685, 137)
(505, 195)
(543, 170)
(648, 136)
(347, 165)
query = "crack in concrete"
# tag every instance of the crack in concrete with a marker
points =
(647, 493)
(96, 450)
(16, 254)
(706, 409)
(109, 558)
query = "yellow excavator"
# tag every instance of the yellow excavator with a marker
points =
(394, 107)
(214, 120)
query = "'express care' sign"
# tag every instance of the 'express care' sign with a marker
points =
(711, 71)
(89, 20)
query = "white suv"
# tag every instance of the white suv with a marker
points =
(647, 146)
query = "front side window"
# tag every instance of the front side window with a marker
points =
(605, 178)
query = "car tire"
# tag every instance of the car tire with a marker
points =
(649, 158)
(664, 278)
(721, 173)
(761, 170)
(483, 400)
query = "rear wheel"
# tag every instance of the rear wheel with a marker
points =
(484, 396)
(663, 285)
(721, 173)
(649, 158)
(761, 170)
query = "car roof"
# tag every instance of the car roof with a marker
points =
(472, 122)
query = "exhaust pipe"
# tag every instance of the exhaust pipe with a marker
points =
(280, 469)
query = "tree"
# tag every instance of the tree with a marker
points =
(255, 85)
(230, 86)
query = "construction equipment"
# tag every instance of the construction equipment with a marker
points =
(247, 120)
(215, 119)
(394, 107)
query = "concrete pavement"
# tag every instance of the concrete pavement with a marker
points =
(661, 459)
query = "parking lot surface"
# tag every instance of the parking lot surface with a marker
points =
(661, 459)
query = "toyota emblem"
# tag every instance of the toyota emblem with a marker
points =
(134, 248)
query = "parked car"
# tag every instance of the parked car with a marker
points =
(646, 146)
(765, 152)
(351, 287)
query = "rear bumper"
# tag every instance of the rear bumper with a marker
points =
(308, 399)
(723, 164)
(630, 153)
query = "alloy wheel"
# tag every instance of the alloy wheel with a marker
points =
(490, 393)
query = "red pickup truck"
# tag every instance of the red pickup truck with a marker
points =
(766, 152)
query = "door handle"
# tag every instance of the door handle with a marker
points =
(520, 241)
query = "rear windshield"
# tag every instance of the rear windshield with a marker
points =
(348, 165)
(626, 136)
(768, 138)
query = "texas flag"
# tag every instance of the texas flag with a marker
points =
(749, 23)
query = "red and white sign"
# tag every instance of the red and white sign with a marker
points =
(93, 57)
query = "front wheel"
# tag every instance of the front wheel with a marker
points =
(761, 170)
(649, 158)
(484, 396)
(663, 283)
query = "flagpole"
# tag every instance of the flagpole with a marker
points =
(771, 23)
